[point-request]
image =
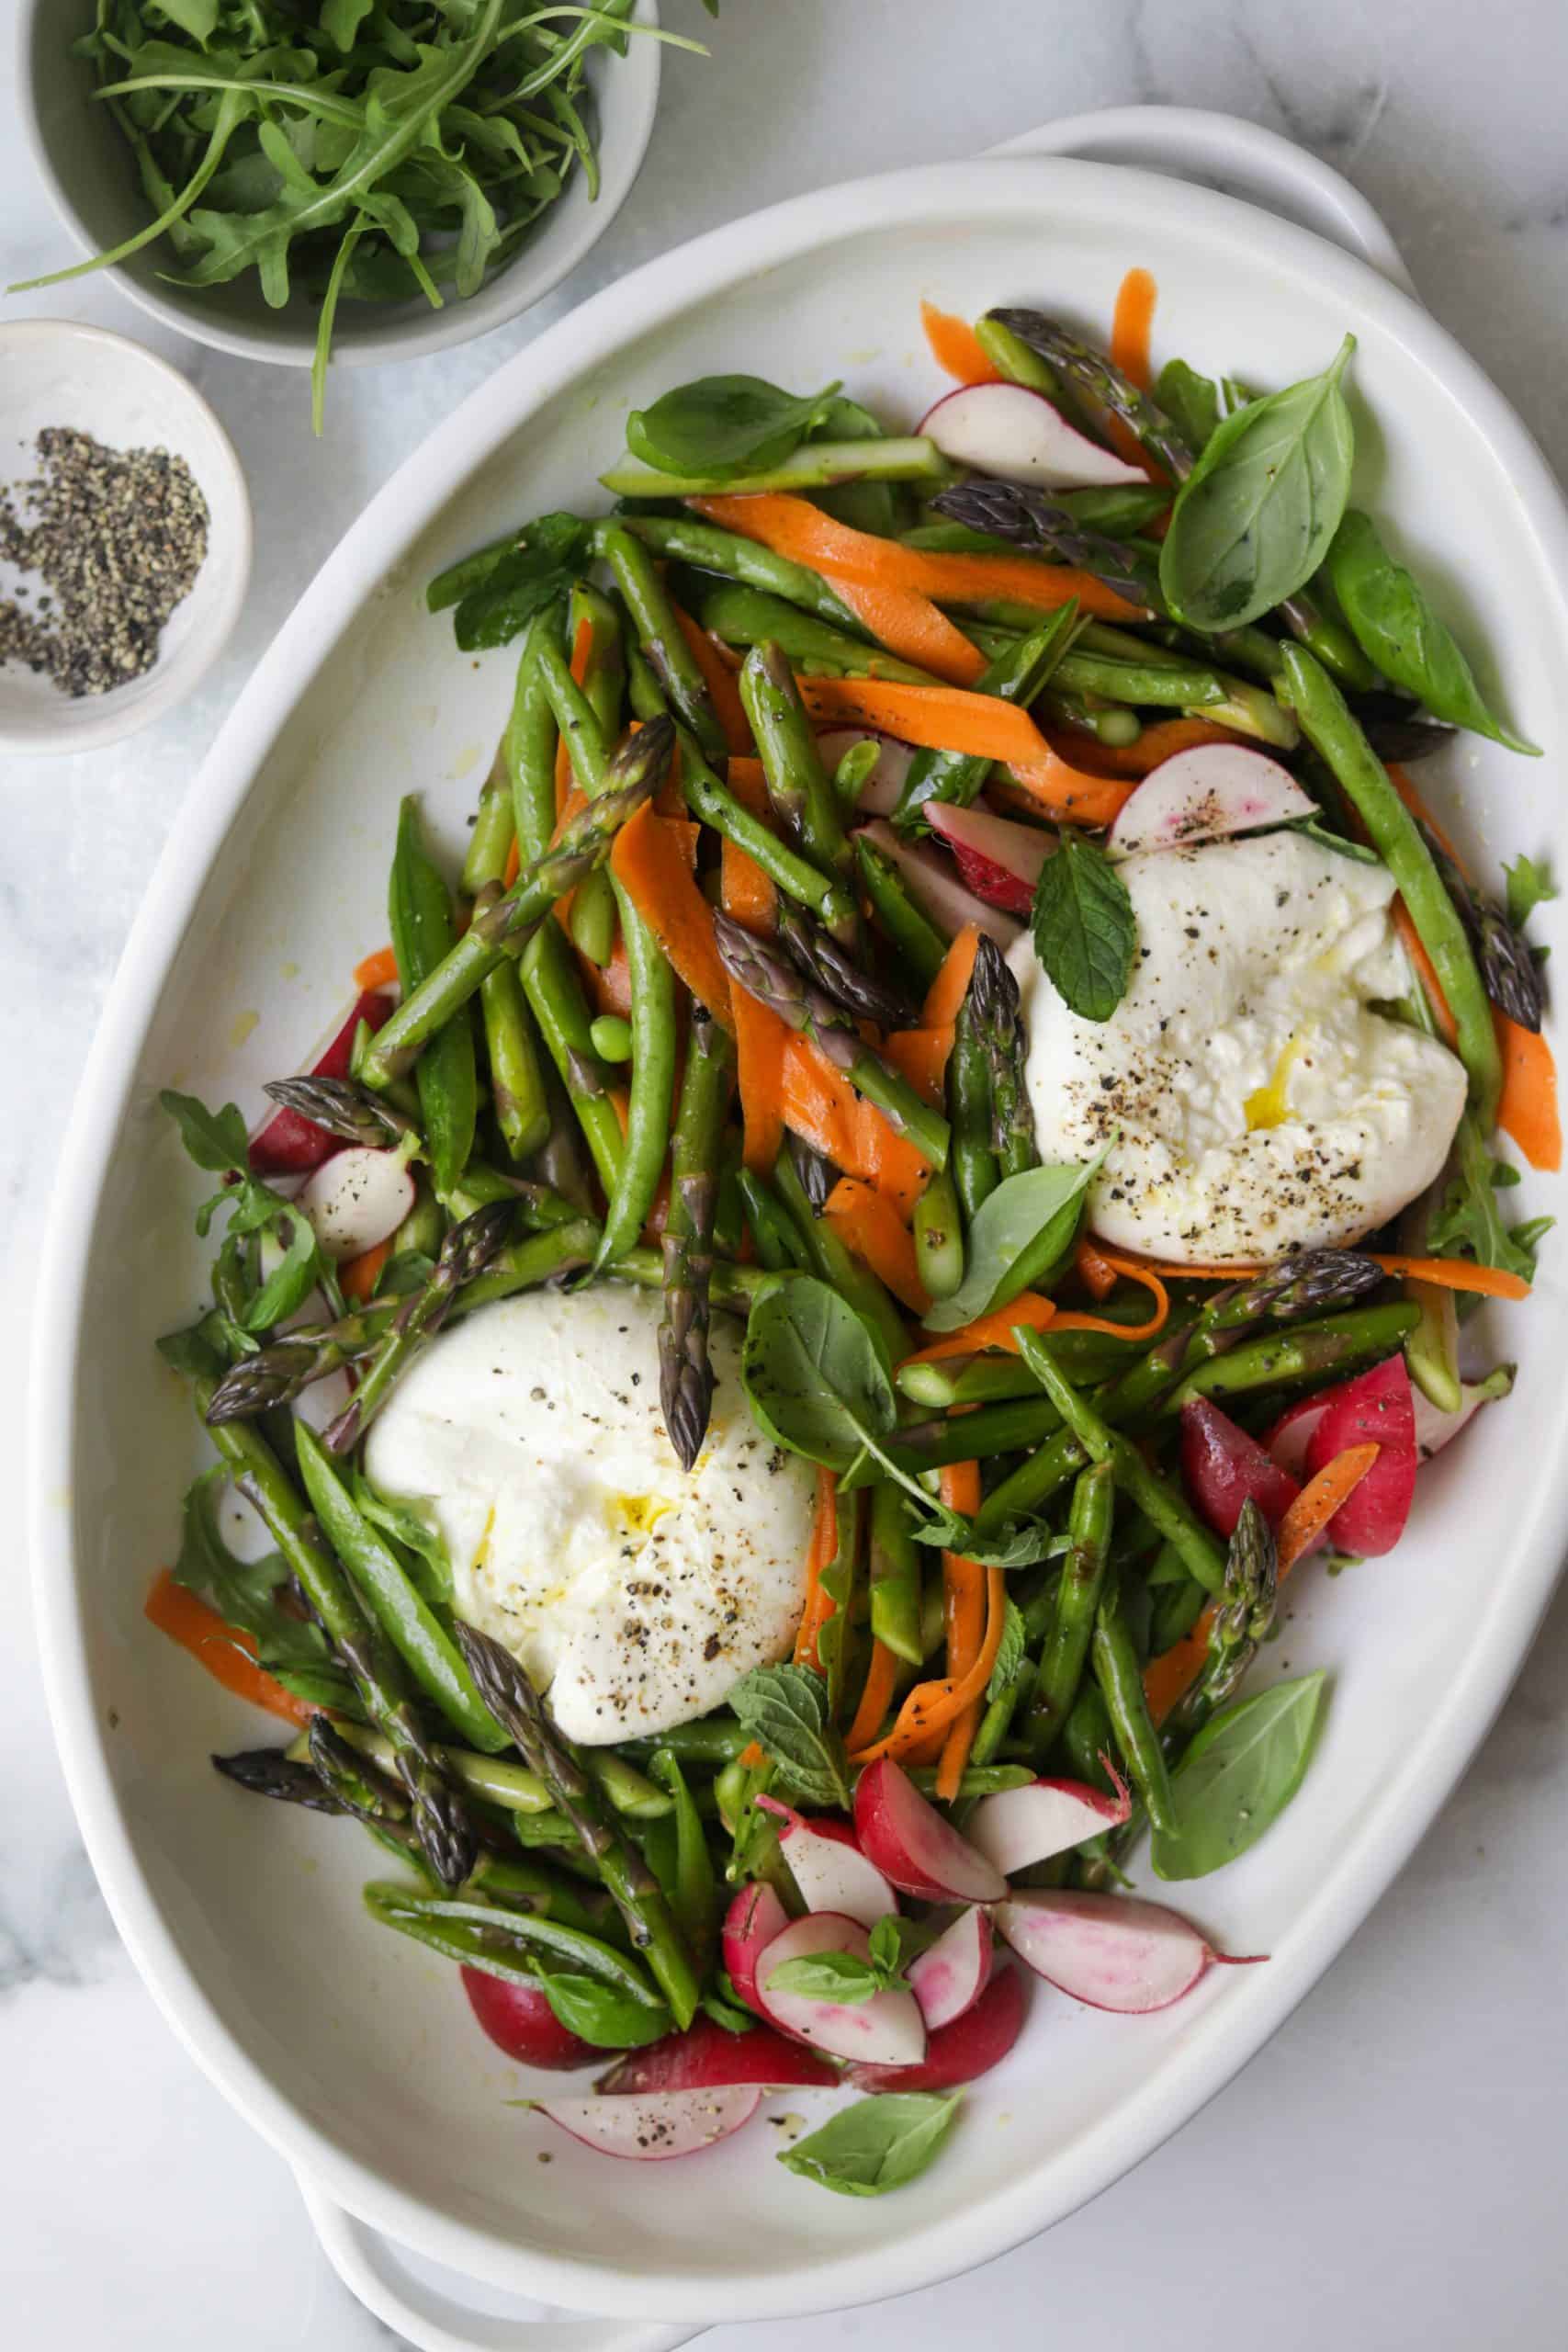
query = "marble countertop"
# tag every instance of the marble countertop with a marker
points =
(1388, 2172)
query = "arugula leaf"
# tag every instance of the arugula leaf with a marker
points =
(1466, 1221)
(812, 1373)
(723, 425)
(341, 19)
(535, 571)
(600, 2013)
(1021, 1232)
(1009, 1656)
(1402, 634)
(1238, 1776)
(1529, 884)
(1084, 928)
(215, 1139)
(784, 1709)
(877, 2145)
(246, 1593)
(1191, 402)
(1256, 516)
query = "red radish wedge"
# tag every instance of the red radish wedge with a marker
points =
(909, 1841)
(1108, 1951)
(706, 2058)
(1222, 1468)
(964, 2050)
(1374, 1409)
(933, 885)
(1006, 430)
(998, 860)
(1205, 796)
(755, 1917)
(1017, 1826)
(520, 2021)
(288, 1145)
(878, 795)
(659, 2124)
(829, 1867)
(1287, 1440)
(951, 1975)
(357, 1199)
(1435, 1428)
(887, 2030)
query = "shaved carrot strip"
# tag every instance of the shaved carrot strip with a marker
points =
(227, 1651)
(1169, 1676)
(1135, 1270)
(1131, 323)
(513, 865)
(609, 985)
(1419, 811)
(965, 1611)
(1425, 973)
(944, 998)
(993, 1330)
(914, 628)
(1455, 1273)
(956, 346)
(868, 1225)
(378, 971)
(923, 1055)
(1055, 784)
(359, 1277)
(1096, 1272)
(931, 1706)
(819, 1604)
(1526, 1109)
(876, 1696)
(720, 680)
(648, 862)
(945, 719)
(1159, 741)
(819, 1103)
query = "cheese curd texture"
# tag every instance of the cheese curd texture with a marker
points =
(532, 1436)
(1259, 1105)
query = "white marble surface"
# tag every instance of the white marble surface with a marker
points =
(1388, 2172)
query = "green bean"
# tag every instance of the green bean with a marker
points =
(814, 465)
(1178, 1608)
(713, 1739)
(742, 615)
(683, 539)
(660, 638)
(1314, 1352)
(424, 934)
(798, 786)
(478, 1935)
(529, 743)
(511, 1046)
(832, 1262)
(554, 991)
(938, 1235)
(524, 1265)
(493, 1777)
(974, 1158)
(779, 1246)
(1088, 1735)
(536, 1886)
(492, 835)
(910, 929)
(693, 1891)
(713, 803)
(1069, 1636)
(985, 1779)
(1120, 1675)
(896, 1579)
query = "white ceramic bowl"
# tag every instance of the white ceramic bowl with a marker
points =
(350, 2051)
(89, 172)
(54, 372)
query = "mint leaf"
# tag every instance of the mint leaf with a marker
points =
(1084, 933)
(784, 1709)
(1009, 1656)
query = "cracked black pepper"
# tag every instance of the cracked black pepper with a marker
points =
(115, 539)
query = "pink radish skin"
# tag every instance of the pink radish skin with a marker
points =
(706, 2058)
(357, 1200)
(1375, 1409)
(964, 2050)
(998, 860)
(1108, 1951)
(1007, 430)
(1017, 1826)
(1435, 1428)
(912, 1845)
(1206, 796)
(752, 1921)
(829, 1869)
(1222, 1468)
(520, 2021)
(286, 1145)
(879, 793)
(935, 887)
(887, 2030)
(661, 2124)
(950, 1976)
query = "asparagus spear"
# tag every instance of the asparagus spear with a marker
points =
(660, 636)
(1009, 510)
(467, 1250)
(822, 959)
(994, 1007)
(630, 1884)
(682, 538)
(1242, 1620)
(1118, 1671)
(757, 966)
(273, 1772)
(686, 1376)
(349, 1112)
(1071, 1627)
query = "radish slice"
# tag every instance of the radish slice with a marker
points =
(657, 2125)
(1017, 1826)
(998, 860)
(1435, 1428)
(936, 888)
(286, 1145)
(909, 1841)
(1108, 1951)
(887, 2030)
(964, 2050)
(520, 2021)
(358, 1198)
(706, 2058)
(1205, 796)
(1287, 1441)
(952, 1975)
(879, 794)
(829, 1869)
(755, 1917)
(1375, 1409)
(1007, 430)
(1222, 1468)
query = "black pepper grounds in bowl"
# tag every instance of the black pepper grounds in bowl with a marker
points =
(116, 538)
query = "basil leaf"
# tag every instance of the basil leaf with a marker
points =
(879, 507)
(528, 573)
(812, 1373)
(598, 2013)
(841, 1976)
(784, 1709)
(1191, 402)
(215, 1139)
(1084, 931)
(875, 2145)
(1254, 517)
(723, 424)
(1398, 630)
(1238, 1776)
(895, 1941)
(1529, 885)
(1022, 1231)
(1009, 1656)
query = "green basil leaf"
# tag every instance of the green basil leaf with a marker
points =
(1084, 928)
(1191, 402)
(1009, 1656)
(598, 2013)
(1022, 1231)
(1529, 885)
(1256, 516)
(840, 1976)
(723, 424)
(784, 1709)
(895, 1941)
(1238, 1776)
(812, 1373)
(875, 2145)
(879, 507)
(1399, 631)
(215, 1139)
(530, 571)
